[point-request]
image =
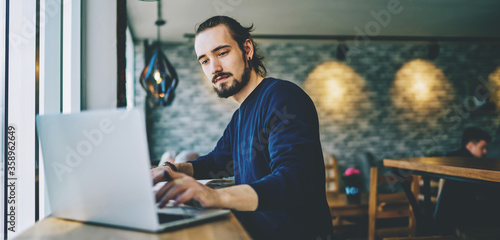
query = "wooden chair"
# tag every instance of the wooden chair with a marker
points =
(332, 180)
(332, 173)
(389, 205)
(436, 185)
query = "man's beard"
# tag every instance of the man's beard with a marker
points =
(227, 90)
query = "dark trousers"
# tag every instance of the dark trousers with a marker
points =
(464, 204)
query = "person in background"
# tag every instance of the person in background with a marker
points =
(474, 144)
(271, 145)
(468, 204)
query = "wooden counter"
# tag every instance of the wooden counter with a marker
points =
(54, 228)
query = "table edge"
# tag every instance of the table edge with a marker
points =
(479, 174)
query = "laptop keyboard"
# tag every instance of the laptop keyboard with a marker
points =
(179, 210)
(173, 213)
(165, 218)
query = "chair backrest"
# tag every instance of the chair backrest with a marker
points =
(389, 205)
(332, 178)
(364, 161)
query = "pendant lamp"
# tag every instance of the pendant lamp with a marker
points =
(159, 78)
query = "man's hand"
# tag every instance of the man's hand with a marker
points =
(157, 174)
(184, 188)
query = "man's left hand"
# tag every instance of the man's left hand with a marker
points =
(184, 188)
(157, 174)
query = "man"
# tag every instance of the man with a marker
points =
(474, 144)
(271, 145)
(465, 204)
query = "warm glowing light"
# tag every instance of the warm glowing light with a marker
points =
(157, 77)
(420, 87)
(336, 87)
(336, 90)
(494, 86)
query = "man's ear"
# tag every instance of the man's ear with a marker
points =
(249, 49)
(469, 146)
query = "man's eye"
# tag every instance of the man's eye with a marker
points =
(223, 53)
(204, 62)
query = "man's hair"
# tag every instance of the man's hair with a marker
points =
(474, 134)
(240, 34)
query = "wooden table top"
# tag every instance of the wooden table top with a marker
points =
(472, 168)
(54, 228)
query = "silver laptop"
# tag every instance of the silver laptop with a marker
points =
(97, 170)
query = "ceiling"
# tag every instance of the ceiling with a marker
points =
(423, 18)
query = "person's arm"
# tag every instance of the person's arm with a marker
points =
(297, 175)
(186, 168)
(184, 188)
(216, 164)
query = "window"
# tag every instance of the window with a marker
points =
(43, 69)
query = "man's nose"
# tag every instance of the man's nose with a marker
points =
(216, 67)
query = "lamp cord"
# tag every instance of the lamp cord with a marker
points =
(158, 21)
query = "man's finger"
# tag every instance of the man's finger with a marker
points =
(171, 194)
(157, 179)
(167, 173)
(163, 190)
(184, 197)
(157, 175)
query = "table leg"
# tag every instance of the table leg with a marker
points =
(427, 197)
(422, 224)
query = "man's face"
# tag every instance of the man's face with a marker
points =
(477, 149)
(222, 60)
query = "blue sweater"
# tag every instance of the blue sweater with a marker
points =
(272, 143)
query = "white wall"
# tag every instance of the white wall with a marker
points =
(99, 55)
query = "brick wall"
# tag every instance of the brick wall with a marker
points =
(373, 101)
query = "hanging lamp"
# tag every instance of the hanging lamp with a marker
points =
(159, 78)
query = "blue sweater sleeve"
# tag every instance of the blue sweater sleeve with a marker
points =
(297, 175)
(218, 163)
